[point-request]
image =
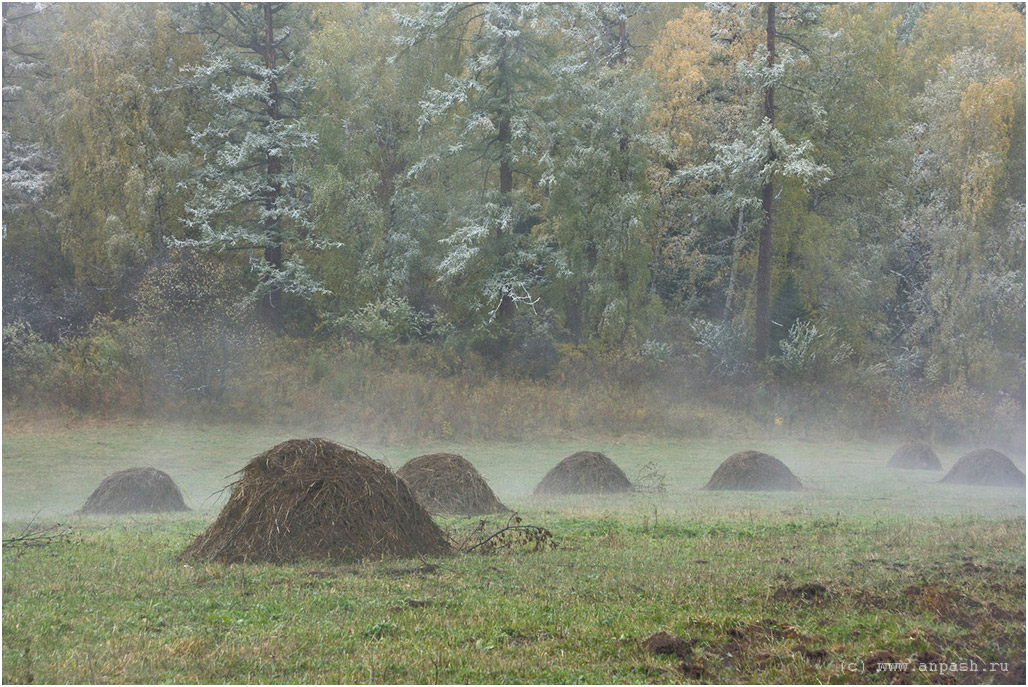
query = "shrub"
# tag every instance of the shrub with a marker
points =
(27, 359)
(726, 348)
(387, 321)
(195, 332)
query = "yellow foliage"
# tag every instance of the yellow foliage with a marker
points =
(687, 65)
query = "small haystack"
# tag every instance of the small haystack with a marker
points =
(313, 499)
(985, 468)
(916, 455)
(136, 490)
(447, 483)
(585, 472)
(753, 471)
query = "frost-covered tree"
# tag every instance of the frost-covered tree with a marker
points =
(965, 235)
(365, 107)
(246, 191)
(493, 124)
(740, 182)
(597, 206)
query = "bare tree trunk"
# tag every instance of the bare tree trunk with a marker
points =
(763, 319)
(730, 299)
(271, 303)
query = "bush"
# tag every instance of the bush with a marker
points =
(810, 354)
(523, 346)
(195, 332)
(387, 321)
(726, 348)
(27, 359)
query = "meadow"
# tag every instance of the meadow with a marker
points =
(867, 569)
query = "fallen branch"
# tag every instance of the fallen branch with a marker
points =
(33, 535)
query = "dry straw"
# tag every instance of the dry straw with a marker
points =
(136, 490)
(448, 484)
(313, 499)
(585, 472)
(753, 471)
(986, 468)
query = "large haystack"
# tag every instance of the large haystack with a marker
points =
(985, 468)
(753, 471)
(916, 455)
(313, 499)
(585, 472)
(447, 483)
(136, 490)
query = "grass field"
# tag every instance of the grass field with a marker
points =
(868, 566)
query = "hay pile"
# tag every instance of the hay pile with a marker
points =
(916, 455)
(136, 490)
(585, 472)
(985, 468)
(313, 499)
(753, 471)
(449, 484)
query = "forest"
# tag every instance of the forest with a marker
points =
(498, 219)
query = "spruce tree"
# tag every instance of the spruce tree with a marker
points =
(247, 194)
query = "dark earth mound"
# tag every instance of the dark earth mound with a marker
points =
(753, 471)
(585, 472)
(136, 490)
(448, 484)
(313, 499)
(986, 468)
(916, 455)
(665, 643)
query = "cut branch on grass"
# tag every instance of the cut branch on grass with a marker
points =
(532, 537)
(34, 535)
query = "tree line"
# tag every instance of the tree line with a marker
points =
(790, 188)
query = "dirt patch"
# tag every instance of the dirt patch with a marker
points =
(753, 471)
(916, 455)
(666, 644)
(817, 657)
(313, 499)
(137, 490)
(811, 591)
(585, 472)
(985, 468)
(448, 484)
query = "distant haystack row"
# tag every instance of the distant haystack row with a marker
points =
(985, 468)
(448, 484)
(981, 467)
(314, 499)
(753, 471)
(136, 490)
(585, 472)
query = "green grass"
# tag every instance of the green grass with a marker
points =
(910, 567)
